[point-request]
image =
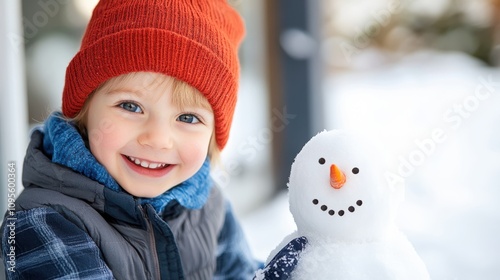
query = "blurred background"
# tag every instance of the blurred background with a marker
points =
(398, 72)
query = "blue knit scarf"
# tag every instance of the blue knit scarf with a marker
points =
(66, 146)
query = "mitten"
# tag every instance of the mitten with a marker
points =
(283, 263)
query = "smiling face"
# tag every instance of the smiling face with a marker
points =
(146, 140)
(336, 190)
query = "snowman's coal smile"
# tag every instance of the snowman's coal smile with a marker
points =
(331, 212)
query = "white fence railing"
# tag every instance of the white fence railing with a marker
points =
(13, 109)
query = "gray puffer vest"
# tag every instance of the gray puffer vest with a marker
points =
(135, 242)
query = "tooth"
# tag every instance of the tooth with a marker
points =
(144, 164)
(132, 158)
(138, 162)
(153, 165)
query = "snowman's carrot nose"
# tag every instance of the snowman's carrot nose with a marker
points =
(337, 178)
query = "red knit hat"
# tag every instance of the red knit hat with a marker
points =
(195, 41)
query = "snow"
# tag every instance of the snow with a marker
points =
(347, 244)
(320, 199)
(436, 115)
(359, 243)
(393, 258)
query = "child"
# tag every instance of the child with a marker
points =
(117, 186)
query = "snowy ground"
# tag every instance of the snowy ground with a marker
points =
(436, 115)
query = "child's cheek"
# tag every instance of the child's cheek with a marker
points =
(194, 152)
(102, 130)
(105, 141)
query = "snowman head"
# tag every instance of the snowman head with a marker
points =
(337, 190)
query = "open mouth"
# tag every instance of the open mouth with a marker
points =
(148, 168)
(340, 212)
(146, 164)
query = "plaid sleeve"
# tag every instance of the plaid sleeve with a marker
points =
(234, 259)
(48, 246)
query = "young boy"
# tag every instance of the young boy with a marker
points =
(117, 186)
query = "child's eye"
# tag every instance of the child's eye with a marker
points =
(131, 107)
(188, 118)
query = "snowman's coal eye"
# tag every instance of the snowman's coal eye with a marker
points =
(321, 161)
(355, 170)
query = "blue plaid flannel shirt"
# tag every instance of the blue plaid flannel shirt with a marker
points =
(51, 247)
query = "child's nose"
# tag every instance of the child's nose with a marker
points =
(156, 134)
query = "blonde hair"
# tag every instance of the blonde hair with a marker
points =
(183, 95)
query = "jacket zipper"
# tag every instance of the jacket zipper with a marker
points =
(152, 243)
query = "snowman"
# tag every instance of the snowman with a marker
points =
(345, 216)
